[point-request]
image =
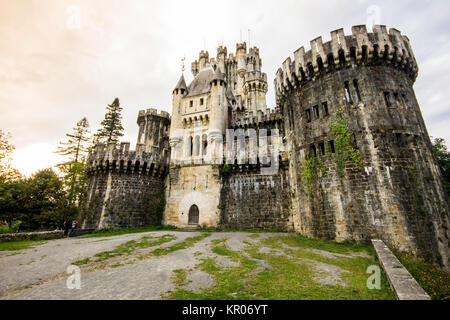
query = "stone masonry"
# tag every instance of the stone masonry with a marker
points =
(373, 176)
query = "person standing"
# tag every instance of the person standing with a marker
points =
(72, 232)
(66, 228)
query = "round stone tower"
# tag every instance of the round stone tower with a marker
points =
(361, 161)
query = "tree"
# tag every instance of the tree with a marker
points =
(74, 177)
(76, 147)
(443, 157)
(7, 172)
(111, 128)
(39, 202)
(75, 181)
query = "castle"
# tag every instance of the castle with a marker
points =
(344, 155)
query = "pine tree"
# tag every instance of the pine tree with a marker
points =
(111, 128)
(76, 147)
(73, 173)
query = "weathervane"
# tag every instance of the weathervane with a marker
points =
(182, 64)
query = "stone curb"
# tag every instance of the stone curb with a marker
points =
(402, 282)
(32, 236)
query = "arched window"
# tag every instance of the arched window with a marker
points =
(205, 144)
(189, 147)
(197, 146)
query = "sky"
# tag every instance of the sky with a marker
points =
(64, 60)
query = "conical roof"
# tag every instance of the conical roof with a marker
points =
(218, 75)
(181, 83)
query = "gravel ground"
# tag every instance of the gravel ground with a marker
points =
(40, 272)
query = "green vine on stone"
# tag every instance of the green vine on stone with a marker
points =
(226, 169)
(344, 150)
(313, 169)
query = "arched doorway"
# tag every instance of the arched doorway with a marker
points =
(193, 215)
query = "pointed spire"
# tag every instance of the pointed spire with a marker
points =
(181, 83)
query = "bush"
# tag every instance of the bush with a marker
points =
(10, 228)
(434, 280)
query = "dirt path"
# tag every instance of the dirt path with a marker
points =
(40, 272)
(146, 265)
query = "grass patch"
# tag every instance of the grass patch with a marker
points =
(331, 246)
(82, 262)
(130, 247)
(117, 232)
(298, 270)
(435, 281)
(287, 277)
(19, 245)
(180, 277)
(229, 281)
(126, 249)
(254, 230)
(189, 242)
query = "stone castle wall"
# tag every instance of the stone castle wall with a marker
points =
(396, 193)
(127, 188)
(250, 200)
(125, 200)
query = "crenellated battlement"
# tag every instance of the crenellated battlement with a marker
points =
(256, 76)
(120, 159)
(203, 54)
(153, 112)
(241, 46)
(254, 51)
(257, 119)
(222, 50)
(360, 48)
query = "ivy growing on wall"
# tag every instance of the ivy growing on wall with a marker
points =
(313, 169)
(344, 150)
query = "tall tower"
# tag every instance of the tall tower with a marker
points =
(379, 178)
(176, 126)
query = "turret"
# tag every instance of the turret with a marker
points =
(153, 131)
(221, 57)
(241, 51)
(203, 59)
(194, 68)
(176, 128)
(218, 115)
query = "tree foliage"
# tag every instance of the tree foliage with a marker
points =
(7, 172)
(39, 202)
(75, 147)
(111, 127)
(73, 171)
(443, 157)
(75, 181)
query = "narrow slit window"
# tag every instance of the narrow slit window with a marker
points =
(308, 115)
(325, 108)
(316, 112)
(201, 101)
(191, 103)
(358, 95)
(332, 149)
(348, 97)
(396, 98)
(313, 151)
(322, 148)
(387, 99)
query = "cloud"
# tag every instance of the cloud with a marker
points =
(62, 60)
